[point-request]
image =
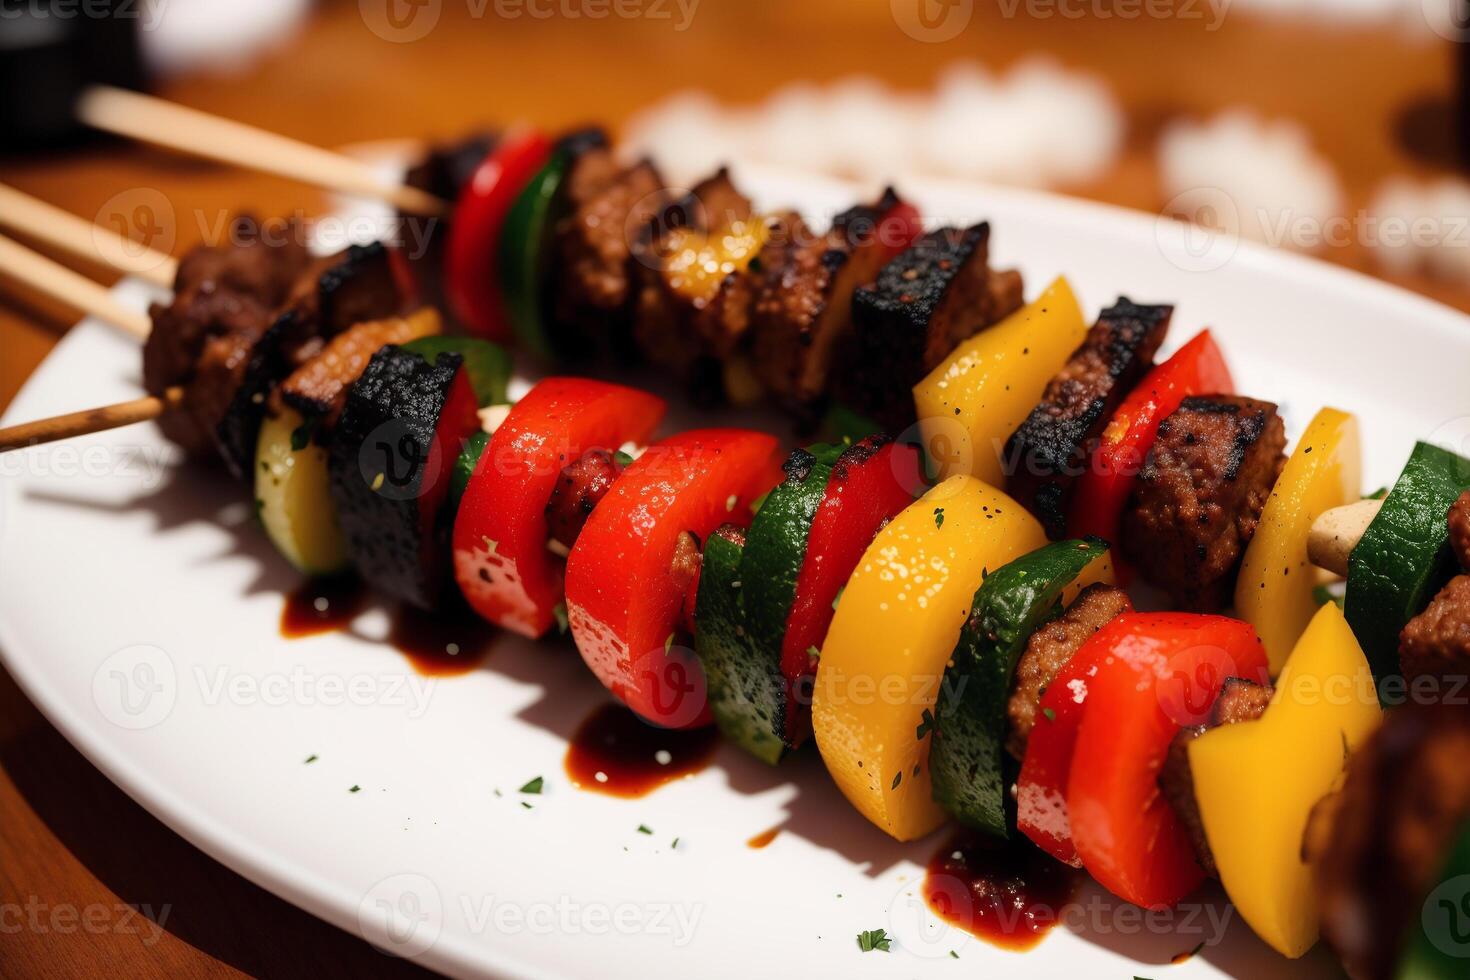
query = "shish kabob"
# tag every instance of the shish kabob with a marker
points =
(756, 675)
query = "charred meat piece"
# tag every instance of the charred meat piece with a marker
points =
(582, 485)
(231, 289)
(1405, 797)
(318, 389)
(1436, 643)
(1240, 700)
(594, 277)
(332, 294)
(1050, 449)
(938, 292)
(692, 303)
(1459, 522)
(803, 306)
(1048, 651)
(388, 467)
(1200, 494)
(443, 172)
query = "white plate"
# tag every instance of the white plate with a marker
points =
(139, 609)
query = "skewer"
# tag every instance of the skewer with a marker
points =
(1336, 532)
(153, 120)
(89, 420)
(44, 222)
(60, 283)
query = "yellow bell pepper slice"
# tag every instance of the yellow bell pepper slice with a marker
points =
(896, 625)
(1274, 590)
(969, 405)
(1256, 782)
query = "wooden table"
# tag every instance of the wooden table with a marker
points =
(74, 849)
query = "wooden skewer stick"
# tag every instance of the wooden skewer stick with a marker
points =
(1336, 532)
(152, 120)
(89, 421)
(44, 222)
(72, 288)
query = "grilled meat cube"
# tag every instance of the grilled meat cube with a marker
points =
(1459, 524)
(332, 294)
(930, 297)
(594, 278)
(580, 487)
(443, 172)
(1050, 449)
(1436, 643)
(1048, 651)
(226, 290)
(693, 303)
(1240, 700)
(318, 388)
(803, 307)
(1376, 846)
(1199, 496)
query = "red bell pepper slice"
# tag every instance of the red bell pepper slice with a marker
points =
(1197, 368)
(870, 483)
(1161, 672)
(623, 600)
(471, 256)
(897, 229)
(500, 556)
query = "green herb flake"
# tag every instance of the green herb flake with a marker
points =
(897, 778)
(301, 436)
(674, 845)
(644, 829)
(533, 787)
(527, 805)
(624, 459)
(310, 759)
(871, 939)
(1049, 713)
(560, 612)
(953, 955)
(814, 652)
(838, 597)
(938, 517)
(355, 789)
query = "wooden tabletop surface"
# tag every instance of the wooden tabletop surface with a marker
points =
(77, 855)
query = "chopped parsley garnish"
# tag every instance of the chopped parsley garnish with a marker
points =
(534, 786)
(624, 459)
(527, 805)
(302, 434)
(310, 759)
(953, 955)
(814, 652)
(675, 844)
(355, 789)
(838, 597)
(938, 517)
(644, 829)
(871, 939)
(560, 612)
(897, 778)
(1049, 713)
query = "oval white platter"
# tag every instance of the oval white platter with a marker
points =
(139, 609)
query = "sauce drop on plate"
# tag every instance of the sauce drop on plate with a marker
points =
(442, 643)
(321, 605)
(619, 754)
(1007, 893)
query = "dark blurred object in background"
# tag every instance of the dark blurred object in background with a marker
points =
(49, 52)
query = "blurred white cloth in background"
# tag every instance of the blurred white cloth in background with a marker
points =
(1039, 125)
(220, 36)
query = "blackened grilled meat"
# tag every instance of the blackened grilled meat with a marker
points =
(1051, 448)
(1377, 846)
(938, 292)
(443, 172)
(1199, 496)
